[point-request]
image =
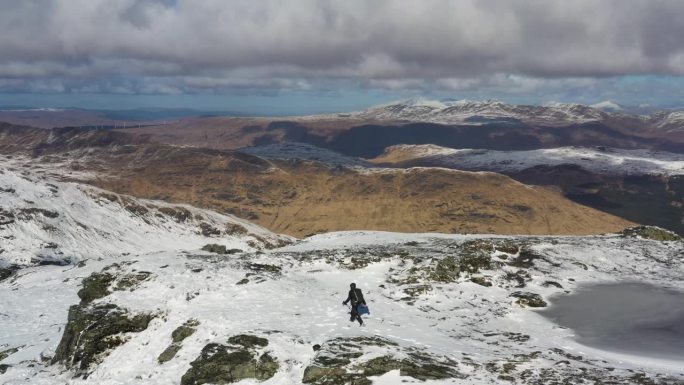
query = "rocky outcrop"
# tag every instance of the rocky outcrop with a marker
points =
(529, 299)
(651, 232)
(182, 332)
(341, 361)
(92, 331)
(242, 358)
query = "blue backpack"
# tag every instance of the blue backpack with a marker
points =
(362, 309)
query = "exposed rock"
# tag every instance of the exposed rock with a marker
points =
(222, 364)
(182, 332)
(169, 353)
(651, 232)
(208, 230)
(419, 367)
(264, 268)
(333, 363)
(219, 249)
(525, 258)
(529, 299)
(178, 214)
(248, 341)
(520, 277)
(136, 209)
(95, 286)
(473, 257)
(3, 368)
(552, 283)
(5, 273)
(214, 248)
(482, 281)
(131, 281)
(92, 331)
(27, 213)
(6, 353)
(235, 229)
(6, 217)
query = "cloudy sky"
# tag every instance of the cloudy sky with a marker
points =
(295, 56)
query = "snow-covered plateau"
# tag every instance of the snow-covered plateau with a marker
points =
(602, 160)
(128, 295)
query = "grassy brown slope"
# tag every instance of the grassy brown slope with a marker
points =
(303, 198)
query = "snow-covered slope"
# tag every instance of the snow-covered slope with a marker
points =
(448, 309)
(601, 160)
(44, 220)
(670, 121)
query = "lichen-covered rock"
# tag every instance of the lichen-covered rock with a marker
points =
(651, 232)
(472, 257)
(91, 331)
(482, 281)
(525, 258)
(529, 299)
(248, 341)
(214, 248)
(418, 367)
(184, 331)
(131, 281)
(264, 268)
(341, 361)
(178, 214)
(235, 229)
(136, 209)
(208, 230)
(95, 286)
(223, 364)
(169, 353)
(177, 336)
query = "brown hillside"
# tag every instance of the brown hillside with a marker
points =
(302, 198)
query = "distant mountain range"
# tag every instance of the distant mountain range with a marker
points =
(549, 114)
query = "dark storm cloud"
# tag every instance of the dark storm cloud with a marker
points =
(209, 45)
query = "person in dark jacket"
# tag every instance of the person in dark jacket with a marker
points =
(356, 298)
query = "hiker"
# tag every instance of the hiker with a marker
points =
(356, 299)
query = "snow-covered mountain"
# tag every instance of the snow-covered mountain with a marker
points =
(445, 309)
(449, 111)
(468, 111)
(602, 160)
(607, 106)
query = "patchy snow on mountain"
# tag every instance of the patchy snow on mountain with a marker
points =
(47, 221)
(671, 121)
(600, 160)
(477, 112)
(303, 151)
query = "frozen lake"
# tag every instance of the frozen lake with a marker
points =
(632, 318)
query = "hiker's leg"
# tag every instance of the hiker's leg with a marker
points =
(357, 315)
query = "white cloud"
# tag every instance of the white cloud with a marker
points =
(190, 45)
